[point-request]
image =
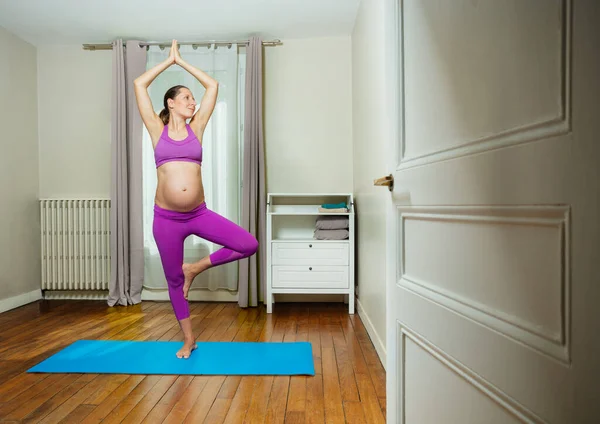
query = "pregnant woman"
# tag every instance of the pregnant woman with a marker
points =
(180, 209)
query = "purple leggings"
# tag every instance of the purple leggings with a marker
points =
(171, 228)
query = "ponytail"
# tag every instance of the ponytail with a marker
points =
(164, 116)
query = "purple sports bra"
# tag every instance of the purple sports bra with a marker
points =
(167, 149)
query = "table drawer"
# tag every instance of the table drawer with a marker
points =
(309, 253)
(298, 277)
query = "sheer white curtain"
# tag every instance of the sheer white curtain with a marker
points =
(221, 166)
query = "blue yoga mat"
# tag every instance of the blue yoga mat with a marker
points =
(158, 357)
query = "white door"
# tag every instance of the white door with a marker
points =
(493, 300)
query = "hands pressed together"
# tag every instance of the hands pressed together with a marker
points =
(174, 56)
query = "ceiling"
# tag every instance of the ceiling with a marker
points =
(42, 22)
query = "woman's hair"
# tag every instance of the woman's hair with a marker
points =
(170, 94)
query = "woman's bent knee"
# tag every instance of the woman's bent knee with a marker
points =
(251, 246)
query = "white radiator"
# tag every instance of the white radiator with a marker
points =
(75, 244)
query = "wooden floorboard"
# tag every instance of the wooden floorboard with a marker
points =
(348, 385)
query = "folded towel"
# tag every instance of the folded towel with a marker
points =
(332, 222)
(334, 205)
(331, 234)
(338, 210)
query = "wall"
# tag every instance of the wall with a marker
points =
(308, 115)
(74, 101)
(370, 137)
(19, 216)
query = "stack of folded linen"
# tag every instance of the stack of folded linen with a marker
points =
(334, 207)
(332, 228)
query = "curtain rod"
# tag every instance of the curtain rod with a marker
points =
(193, 44)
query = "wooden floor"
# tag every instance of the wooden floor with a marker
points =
(349, 385)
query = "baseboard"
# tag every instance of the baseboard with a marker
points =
(20, 300)
(193, 295)
(379, 345)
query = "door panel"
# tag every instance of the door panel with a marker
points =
(481, 72)
(430, 379)
(493, 265)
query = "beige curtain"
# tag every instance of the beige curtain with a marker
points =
(251, 278)
(126, 239)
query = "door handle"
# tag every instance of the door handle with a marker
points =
(388, 181)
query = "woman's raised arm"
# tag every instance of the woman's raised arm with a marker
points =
(151, 120)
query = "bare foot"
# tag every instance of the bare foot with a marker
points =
(189, 274)
(186, 350)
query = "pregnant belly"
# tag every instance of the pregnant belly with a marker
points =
(179, 186)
